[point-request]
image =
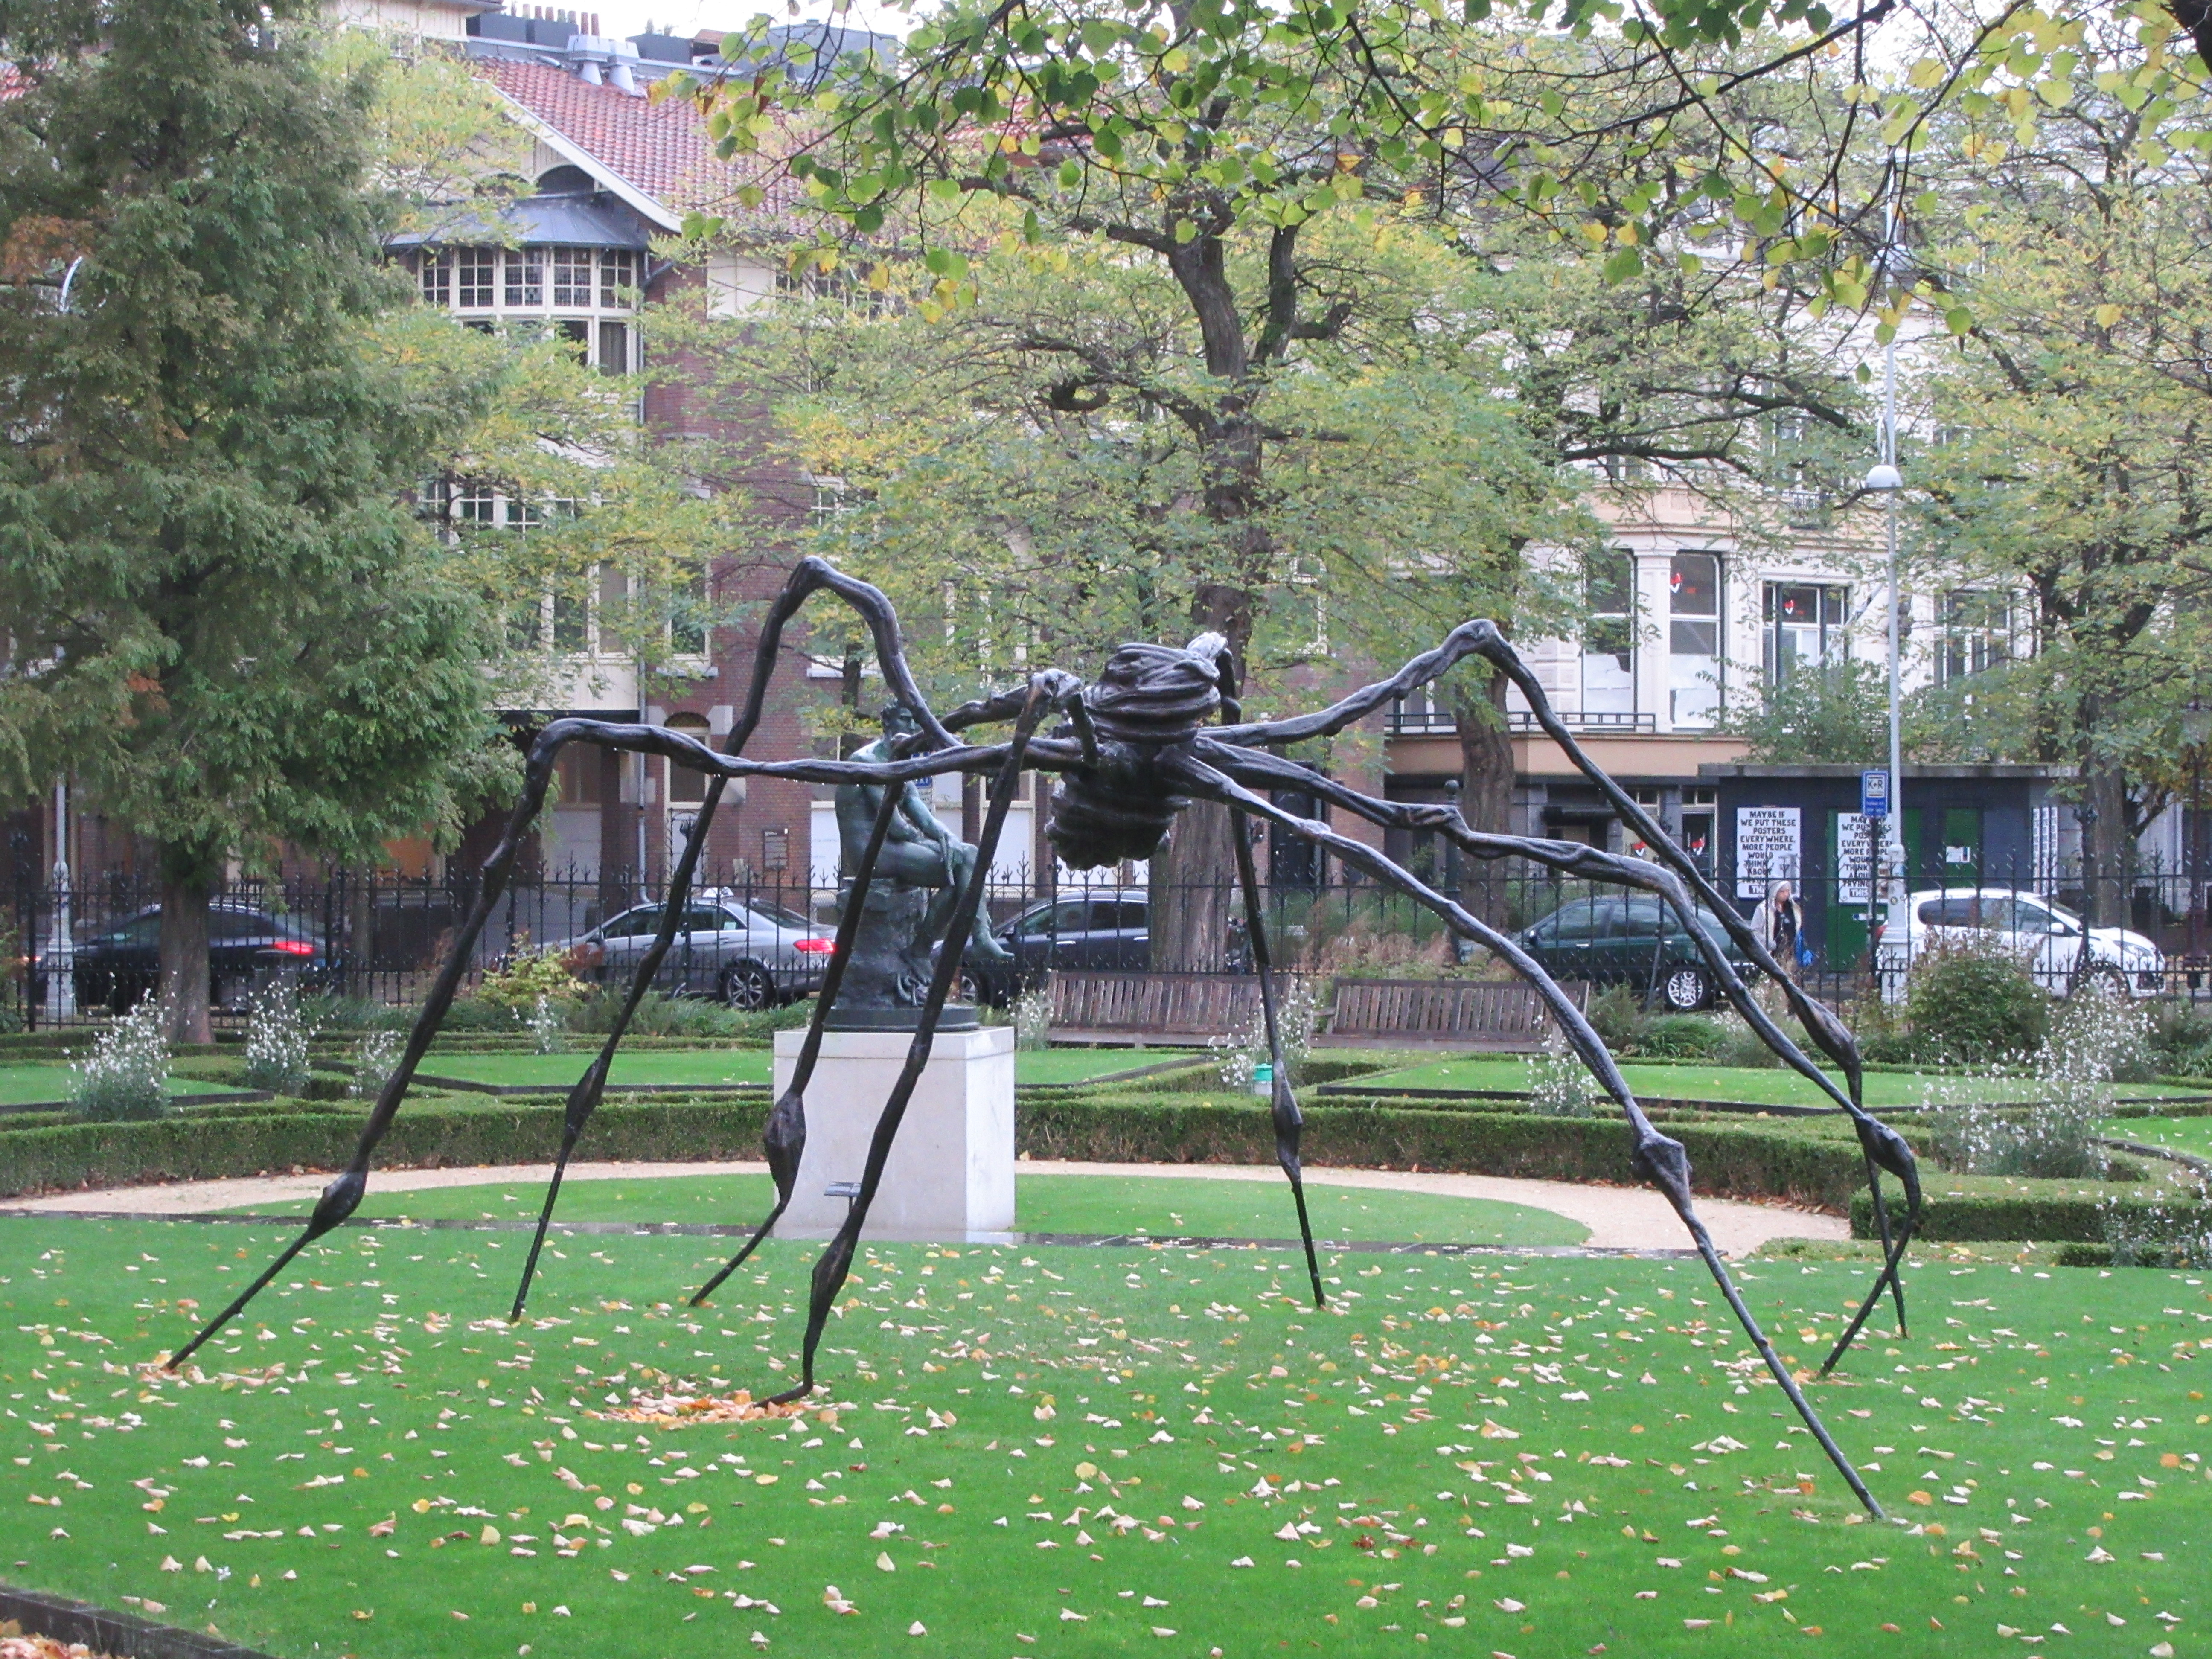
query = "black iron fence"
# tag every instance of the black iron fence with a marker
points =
(80, 954)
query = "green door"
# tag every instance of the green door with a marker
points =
(1962, 845)
(1846, 914)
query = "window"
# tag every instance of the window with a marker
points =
(578, 334)
(640, 923)
(1804, 628)
(687, 622)
(1693, 637)
(1977, 632)
(525, 625)
(525, 277)
(687, 787)
(1068, 917)
(436, 271)
(614, 347)
(475, 501)
(577, 776)
(1697, 826)
(1609, 646)
(616, 273)
(479, 274)
(572, 277)
(571, 622)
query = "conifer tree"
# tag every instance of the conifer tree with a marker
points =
(221, 618)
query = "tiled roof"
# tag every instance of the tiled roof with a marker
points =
(659, 147)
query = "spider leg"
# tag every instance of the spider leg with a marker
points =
(1282, 1105)
(584, 1099)
(836, 1262)
(786, 1133)
(1658, 1158)
(1884, 1149)
(344, 1194)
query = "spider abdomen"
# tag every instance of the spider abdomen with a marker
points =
(1118, 809)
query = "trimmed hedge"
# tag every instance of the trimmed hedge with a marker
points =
(2070, 1216)
(244, 1140)
(202, 1147)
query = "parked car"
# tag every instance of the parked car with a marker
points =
(120, 964)
(1098, 929)
(2059, 949)
(748, 955)
(1638, 939)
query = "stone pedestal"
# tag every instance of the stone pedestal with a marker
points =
(950, 1176)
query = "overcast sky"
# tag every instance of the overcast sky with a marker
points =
(622, 17)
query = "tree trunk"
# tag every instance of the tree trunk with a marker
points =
(2106, 846)
(1486, 795)
(1193, 875)
(184, 992)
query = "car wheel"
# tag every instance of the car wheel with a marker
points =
(747, 984)
(1684, 990)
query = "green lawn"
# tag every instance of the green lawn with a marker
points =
(41, 1084)
(1044, 1204)
(1758, 1086)
(675, 1067)
(1065, 1451)
(2186, 1134)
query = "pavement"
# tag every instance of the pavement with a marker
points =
(1618, 1217)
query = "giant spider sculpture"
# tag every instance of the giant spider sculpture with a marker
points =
(1134, 750)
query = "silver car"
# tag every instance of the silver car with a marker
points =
(749, 955)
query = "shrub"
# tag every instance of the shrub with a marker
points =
(1617, 1017)
(2157, 1234)
(528, 977)
(1737, 1044)
(2099, 1035)
(657, 1015)
(2181, 1036)
(328, 1011)
(1559, 1085)
(1681, 1037)
(1032, 1017)
(376, 1057)
(276, 1037)
(126, 1076)
(1975, 1002)
(1244, 1050)
(549, 1030)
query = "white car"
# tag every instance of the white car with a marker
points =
(2059, 949)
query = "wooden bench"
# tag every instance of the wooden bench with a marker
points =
(1114, 1008)
(1458, 1013)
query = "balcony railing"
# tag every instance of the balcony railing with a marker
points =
(1438, 723)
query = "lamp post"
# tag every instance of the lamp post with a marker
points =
(2196, 731)
(1890, 482)
(61, 938)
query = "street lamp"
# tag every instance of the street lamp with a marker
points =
(1890, 482)
(2196, 731)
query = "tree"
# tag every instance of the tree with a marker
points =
(223, 620)
(2071, 483)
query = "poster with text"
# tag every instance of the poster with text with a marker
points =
(1858, 847)
(1766, 849)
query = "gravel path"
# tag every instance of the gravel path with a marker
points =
(1618, 1217)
